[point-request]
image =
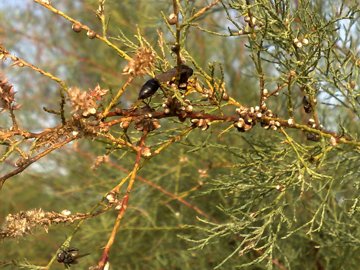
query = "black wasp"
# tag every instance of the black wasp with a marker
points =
(69, 256)
(152, 85)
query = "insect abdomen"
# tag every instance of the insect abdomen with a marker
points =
(149, 88)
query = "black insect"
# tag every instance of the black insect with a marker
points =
(307, 105)
(149, 88)
(185, 73)
(69, 256)
(152, 85)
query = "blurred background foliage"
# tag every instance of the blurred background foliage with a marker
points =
(271, 200)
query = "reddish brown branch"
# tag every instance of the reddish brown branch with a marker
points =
(132, 115)
(124, 204)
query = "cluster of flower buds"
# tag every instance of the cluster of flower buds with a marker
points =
(142, 61)
(214, 97)
(183, 110)
(242, 125)
(247, 118)
(272, 124)
(311, 123)
(203, 173)
(112, 199)
(207, 94)
(147, 123)
(100, 160)
(299, 43)
(146, 151)
(252, 21)
(171, 105)
(175, 106)
(167, 105)
(86, 102)
(245, 112)
(201, 123)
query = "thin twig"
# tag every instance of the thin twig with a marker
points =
(124, 204)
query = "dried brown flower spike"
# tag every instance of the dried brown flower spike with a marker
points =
(141, 62)
(7, 95)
